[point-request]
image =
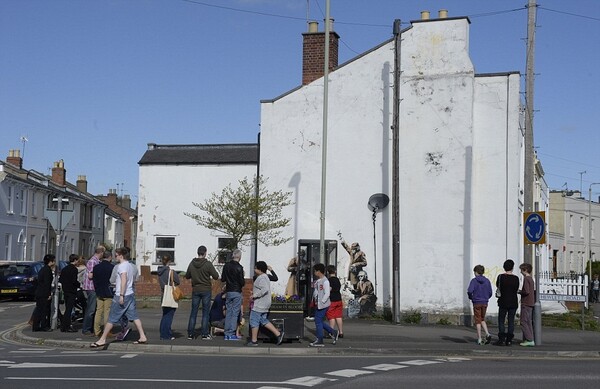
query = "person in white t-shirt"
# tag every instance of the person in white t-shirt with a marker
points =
(123, 303)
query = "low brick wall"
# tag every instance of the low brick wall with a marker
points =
(148, 286)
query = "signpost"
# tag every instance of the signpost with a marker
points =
(534, 226)
(59, 220)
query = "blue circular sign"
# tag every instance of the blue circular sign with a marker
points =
(535, 227)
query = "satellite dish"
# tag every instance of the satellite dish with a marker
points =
(378, 201)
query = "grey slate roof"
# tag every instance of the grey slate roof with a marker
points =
(243, 153)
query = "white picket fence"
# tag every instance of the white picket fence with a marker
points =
(569, 288)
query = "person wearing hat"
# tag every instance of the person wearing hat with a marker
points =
(358, 260)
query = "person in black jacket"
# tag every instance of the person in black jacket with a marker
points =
(233, 276)
(43, 295)
(508, 285)
(68, 280)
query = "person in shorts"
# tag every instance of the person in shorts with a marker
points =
(479, 292)
(335, 312)
(123, 303)
(261, 297)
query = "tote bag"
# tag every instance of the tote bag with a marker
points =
(168, 300)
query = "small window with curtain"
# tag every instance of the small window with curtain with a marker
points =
(165, 245)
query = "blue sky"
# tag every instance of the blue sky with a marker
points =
(92, 82)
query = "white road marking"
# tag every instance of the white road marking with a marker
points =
(129, 355)
(348, 373)
(28, 351)
(419, 362)
(35, 349)
(307, 381)
(176, 381)
(385, 367)
(453, 359)
(37, 365)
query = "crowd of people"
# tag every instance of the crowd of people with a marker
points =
(507, 292)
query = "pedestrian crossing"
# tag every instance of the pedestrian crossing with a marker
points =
(311, 381)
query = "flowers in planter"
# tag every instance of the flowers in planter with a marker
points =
(280, 298)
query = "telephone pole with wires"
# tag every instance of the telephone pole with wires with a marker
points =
(529, 154)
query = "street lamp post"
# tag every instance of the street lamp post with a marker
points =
(589, 249)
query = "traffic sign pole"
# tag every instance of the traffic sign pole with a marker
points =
(534, 226)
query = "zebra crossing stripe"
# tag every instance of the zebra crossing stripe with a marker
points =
(419, 362)
(349, 373)
(385, 367)
(308, 381)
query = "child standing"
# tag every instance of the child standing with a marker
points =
(479, 292)
(322, 302)
(261, 297)
(336, 309)
(527, 303)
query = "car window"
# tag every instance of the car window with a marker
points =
(11, 270)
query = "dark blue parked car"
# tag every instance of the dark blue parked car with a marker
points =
(19, 279)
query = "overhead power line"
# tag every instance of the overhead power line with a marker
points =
(569, 13)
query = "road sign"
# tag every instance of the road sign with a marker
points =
(534, 225)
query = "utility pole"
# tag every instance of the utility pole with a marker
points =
(581, 182)
(324, 146)
(396, 176)
(529, 155)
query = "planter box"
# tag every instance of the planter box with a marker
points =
(289, 321)
(287, 307)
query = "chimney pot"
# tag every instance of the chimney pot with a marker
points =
(313, 26)
(424, 15)
(443, 13)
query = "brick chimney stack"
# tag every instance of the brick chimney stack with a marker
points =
(59, 174)
(126, 202)
(111, 199)
(313, 52)
(14, 158)
(82, 183)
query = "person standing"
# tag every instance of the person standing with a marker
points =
(166, 276)
(508, 302)
(43, 295)
(90, 292)
(321, 296)
(200, 271)
(527, 302)
(261, 298)
(479, 292)
(70, 285)
(233, 276)
(123, 304)
(595, 288)
(104, 294)
(335, 312)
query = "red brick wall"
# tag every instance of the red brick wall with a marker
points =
(149, 287)
(313, 55)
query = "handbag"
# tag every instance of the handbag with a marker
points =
(177, 293)
(168, 298)
(498, 293)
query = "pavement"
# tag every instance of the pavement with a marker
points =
(361, 337)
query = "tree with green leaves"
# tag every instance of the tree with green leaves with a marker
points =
(246, 212)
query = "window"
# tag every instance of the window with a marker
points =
(22, 204)
(10, 207)
(581, 227)
(8, 246)
(225, 250)
(165, 245)
(571, 226)
(33, 205)
(32, 243)
(593, 222)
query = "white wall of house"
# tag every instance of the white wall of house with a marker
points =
(460, 152)
(165, 193)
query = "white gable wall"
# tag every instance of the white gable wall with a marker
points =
(453, 151)
(166, 192)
